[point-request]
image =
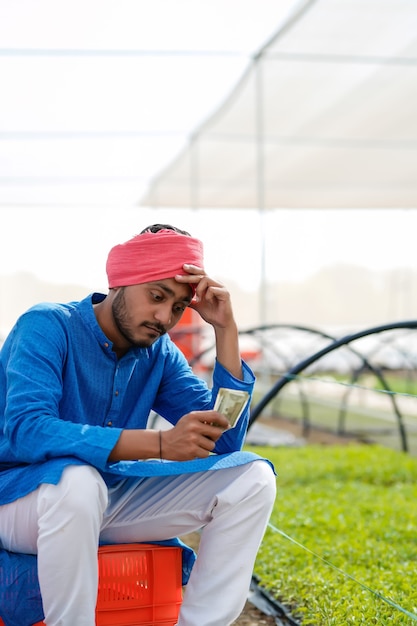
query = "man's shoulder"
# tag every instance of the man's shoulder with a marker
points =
(46, 313)
(46, 307)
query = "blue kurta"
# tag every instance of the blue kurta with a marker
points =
(65, 398)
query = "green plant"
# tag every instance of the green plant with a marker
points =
(341, 546)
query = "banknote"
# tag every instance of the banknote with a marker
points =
(231, 403)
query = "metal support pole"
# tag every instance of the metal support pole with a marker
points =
(260, 181)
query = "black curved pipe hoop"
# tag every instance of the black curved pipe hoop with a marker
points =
(334, 345)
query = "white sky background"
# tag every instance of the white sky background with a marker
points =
(63, 243)
(72, 246)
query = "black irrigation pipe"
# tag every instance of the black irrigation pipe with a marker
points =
(268, 605)
(294, 371)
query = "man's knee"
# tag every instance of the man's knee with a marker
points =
(81, 489)
(263, 479)
(254, 482)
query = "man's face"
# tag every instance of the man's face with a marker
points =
(143, 313)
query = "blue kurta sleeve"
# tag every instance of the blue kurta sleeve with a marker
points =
(181, 392)
(233, 439)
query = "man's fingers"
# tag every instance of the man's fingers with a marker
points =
(214, 419)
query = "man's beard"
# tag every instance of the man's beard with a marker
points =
(121, 319)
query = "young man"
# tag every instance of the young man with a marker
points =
(78, 465)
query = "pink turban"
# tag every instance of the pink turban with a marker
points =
(152, 256)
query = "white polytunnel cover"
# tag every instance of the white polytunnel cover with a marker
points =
(324, 117)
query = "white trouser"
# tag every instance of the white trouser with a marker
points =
(63, 524)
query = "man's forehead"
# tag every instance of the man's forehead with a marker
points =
(173, 288)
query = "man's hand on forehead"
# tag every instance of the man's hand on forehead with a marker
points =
(192, 276)
(192, 273)
(206, 289)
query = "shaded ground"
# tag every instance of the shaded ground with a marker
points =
(252, 617)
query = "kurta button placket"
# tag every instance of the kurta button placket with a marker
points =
(113, 415)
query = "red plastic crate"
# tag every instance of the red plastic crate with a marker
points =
(138, 584)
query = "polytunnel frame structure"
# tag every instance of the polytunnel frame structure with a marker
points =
(323, 117)
(294, 371)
